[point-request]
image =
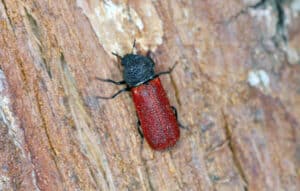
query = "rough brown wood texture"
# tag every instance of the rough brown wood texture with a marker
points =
(236, 87)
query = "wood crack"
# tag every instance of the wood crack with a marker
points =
(7, 15)
(39, 104)
(37, 33)
(176, 90)
(151, 187)
(244, 11)
(234, 152)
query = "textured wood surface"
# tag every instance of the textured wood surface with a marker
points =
(236, 88)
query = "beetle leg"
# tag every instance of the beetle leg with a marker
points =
(112, 81)
(167, 72)
(117, 55)
(176, 115)
(175, 111)
(114, 95)
(133, 46)
(149, 55)
(139, 129)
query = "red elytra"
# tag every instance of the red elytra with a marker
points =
(158, 122)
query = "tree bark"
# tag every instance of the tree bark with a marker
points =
(236, 88)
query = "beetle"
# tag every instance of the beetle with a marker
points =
(157, 118)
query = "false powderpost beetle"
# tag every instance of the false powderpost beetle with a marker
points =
(157, 118)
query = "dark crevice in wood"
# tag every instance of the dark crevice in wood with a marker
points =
(37, 33)
(245, 10)
(258, 4)
(216, 147)
(179, 183)
(34, 25)
(234, 152)
(39, 104)
(8, 17)
(23, 73)
(71, 82)
(94, 178)
(280, 25)
(151, 187)
(281, 31)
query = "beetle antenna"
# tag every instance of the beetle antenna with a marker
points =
(133, 46)
(168, 71)
(117, 55)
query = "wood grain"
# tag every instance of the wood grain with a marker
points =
(236, 88)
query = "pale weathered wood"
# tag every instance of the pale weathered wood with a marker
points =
(236, 88)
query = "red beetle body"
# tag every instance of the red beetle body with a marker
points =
(157, 119)
(158, 122)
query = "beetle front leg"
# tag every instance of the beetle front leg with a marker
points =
(112, 81)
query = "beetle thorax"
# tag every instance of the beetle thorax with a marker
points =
(137, 69)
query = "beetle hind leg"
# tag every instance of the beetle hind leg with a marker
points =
(176, 116)
(139, 129)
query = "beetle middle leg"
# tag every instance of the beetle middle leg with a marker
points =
(176, 115)
(114, 95)
(116, 83)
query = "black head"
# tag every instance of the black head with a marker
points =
(137, 69)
